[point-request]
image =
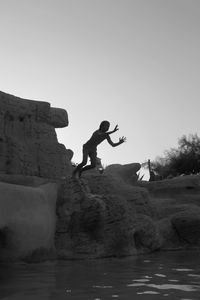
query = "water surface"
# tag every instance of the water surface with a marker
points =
(166, 275)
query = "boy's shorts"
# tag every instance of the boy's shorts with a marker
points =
(92, 153)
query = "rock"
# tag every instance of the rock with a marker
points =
(177, 210)
(44, 212)
(100, 226)
(28, 143)
(127, 172)
(101, 216)
(24, 180)
(178, 185)
(146, 234)
(169, 239)
(137, 197)
(187, 225)
(27, 220)
(58, 117)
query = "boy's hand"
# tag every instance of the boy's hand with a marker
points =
(122, 139)
(116, 128)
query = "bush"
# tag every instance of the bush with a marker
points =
(183, 160)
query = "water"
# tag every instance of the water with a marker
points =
(168, 275)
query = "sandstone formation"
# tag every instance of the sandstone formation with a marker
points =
(28, 141)
(44, 213)
(31, 164)
(127, 172)
(103, 216)
(177, 204)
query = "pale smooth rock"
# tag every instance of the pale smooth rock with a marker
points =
(27, 219)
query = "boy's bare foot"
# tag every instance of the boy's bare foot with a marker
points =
(74, 174)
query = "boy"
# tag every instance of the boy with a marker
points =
(90, 148)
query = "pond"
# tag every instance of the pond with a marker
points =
(160, 275)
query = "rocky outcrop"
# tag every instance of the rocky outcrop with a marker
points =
(28, 141)
(177, 210)
(45, 213)
(58, 117)
(102, 216)
(27, 220)
(128, 172)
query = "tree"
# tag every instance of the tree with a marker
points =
(183, 160)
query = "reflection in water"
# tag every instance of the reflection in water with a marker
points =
(182, 287)
(125, 279)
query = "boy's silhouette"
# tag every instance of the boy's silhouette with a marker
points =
(90, 147)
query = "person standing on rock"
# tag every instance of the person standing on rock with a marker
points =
(90, 147)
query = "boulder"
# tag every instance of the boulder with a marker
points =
(107, 184)
(27, 220)
(187, 225)
(91, 225)
(146, 234)
(127, 172)
(177, 207)
(101, 216)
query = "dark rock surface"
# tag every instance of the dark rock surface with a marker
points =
(101, 217)
(28, 141)
(177, 203)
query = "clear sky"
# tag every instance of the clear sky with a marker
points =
(135, 63)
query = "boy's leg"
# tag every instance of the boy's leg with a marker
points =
(93, 160)
(83, 163)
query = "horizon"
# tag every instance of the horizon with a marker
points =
(134, 63)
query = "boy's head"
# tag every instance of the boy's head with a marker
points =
(104, 126)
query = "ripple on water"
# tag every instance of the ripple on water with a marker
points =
(173, 280)
(194, 275)
(160, 275)
(181, 287)
(141, 280)
(103, 286)
(183, 270)
(148, 292)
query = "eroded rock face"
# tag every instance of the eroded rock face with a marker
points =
(186, 223)
(112, 214)
(177, 203)
(28, 141)
(101, 216)
(109, 184)
(127, 172)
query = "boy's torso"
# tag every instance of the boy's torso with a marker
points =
(96, 139)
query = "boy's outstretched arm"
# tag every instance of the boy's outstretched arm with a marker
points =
(114, 130)
(121, 140)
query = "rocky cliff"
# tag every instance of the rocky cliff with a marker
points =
(28, 141)
(107, 215)
(102, 216)
(44, 213)
(32, 162)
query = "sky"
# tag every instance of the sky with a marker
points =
(135, 63)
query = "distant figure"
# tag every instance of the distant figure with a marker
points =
(90, 147)
(152, 176)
